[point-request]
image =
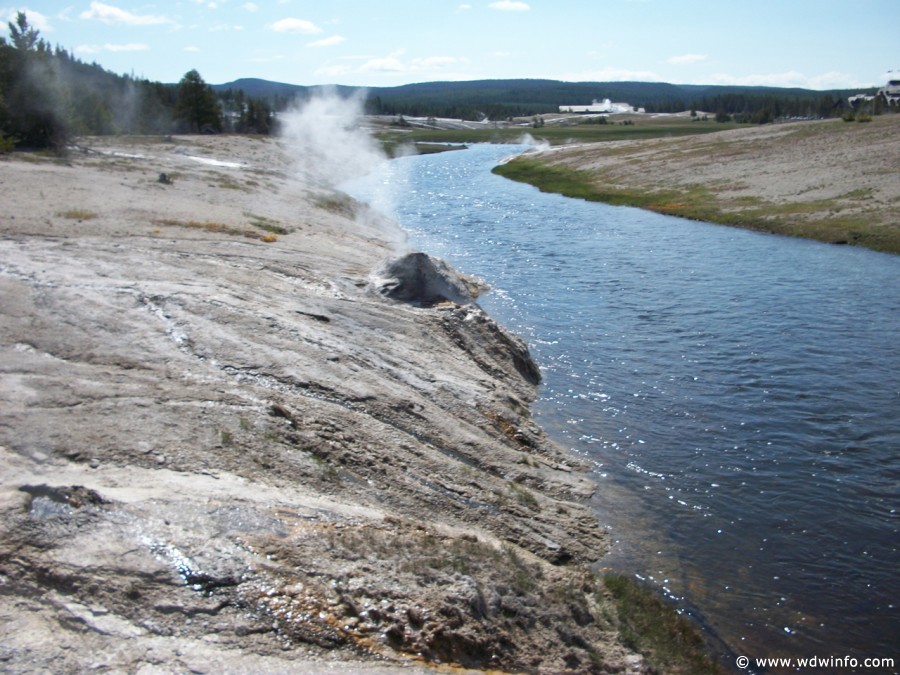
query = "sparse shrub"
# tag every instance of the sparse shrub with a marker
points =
(78, 214)
(668, 640)
(523, 577)
(267, 224)
(339, 204)
(524, 496)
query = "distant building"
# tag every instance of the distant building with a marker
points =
(891, 92)
(604, 106)
(856, 99)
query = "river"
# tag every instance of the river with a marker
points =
(737, 393)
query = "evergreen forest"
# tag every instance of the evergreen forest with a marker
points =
(48, 97)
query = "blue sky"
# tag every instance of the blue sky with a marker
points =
(819, 44)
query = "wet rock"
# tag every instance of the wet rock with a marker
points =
(291, 469)
(421, 279)
(46, 501)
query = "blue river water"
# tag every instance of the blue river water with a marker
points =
(737, 393)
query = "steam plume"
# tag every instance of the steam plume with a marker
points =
(326, 141)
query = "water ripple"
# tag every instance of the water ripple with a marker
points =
(738, 393)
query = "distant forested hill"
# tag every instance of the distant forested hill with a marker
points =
(500, 99)
(47, 97)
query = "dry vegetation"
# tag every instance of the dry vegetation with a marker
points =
(222, 455)
(832, 181)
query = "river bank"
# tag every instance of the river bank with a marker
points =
(223, 449)
(831, 181)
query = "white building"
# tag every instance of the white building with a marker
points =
(604, 106)
(891, 92)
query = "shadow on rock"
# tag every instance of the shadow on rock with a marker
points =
(420, 279)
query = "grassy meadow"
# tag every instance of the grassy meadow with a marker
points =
(620, 128)
(800, 183)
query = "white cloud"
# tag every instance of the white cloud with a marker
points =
(837, 80)
(192, 49)
(686, 59)
(328, 42)
(110, 14)
(436, 62)
(789, 79)
(292, 25)
(35, 19)
(464, 7)
(334, 71)
(385, 64)
(250, 6)
(396, 64)
(95, 49)
(792, 78)
(510, 6)
(610, 74)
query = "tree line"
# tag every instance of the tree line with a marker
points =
(752, 108)
(504, 99)
(47, 96)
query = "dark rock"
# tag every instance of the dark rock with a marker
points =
(421, 279)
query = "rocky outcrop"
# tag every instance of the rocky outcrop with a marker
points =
(424, 280)
(220, 451)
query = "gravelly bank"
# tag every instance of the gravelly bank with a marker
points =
(826, 180)
(224, 449)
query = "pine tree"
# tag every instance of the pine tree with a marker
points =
(24, 37)
(31, 109)
(196, 107)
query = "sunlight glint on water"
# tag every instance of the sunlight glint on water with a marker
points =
(739, 395)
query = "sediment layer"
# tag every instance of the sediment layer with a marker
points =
(222, 449)
(832, 181)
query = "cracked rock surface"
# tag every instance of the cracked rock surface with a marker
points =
(222, 451)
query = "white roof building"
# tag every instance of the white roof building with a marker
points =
(891, 91)
(604, 106)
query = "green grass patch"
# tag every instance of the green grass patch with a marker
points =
(557, 135)
(821, 220)
(582, 184)
(339, 204)
(230, 184)
(668, 641)
(523, 496)
(267, 224)
(400, 147)
(218, 228)
(434, 148)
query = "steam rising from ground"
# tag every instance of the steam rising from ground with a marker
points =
(534, 144)
(326, 140)
(331, 147)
